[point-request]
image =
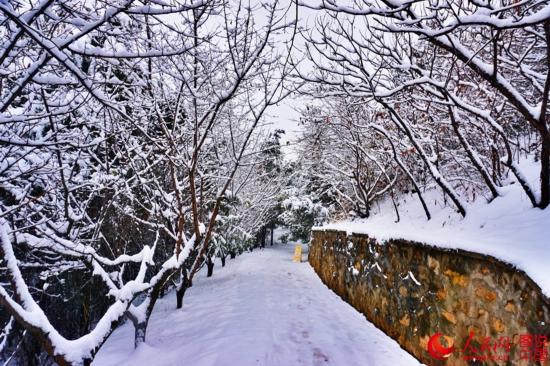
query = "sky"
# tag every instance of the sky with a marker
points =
(285, 116)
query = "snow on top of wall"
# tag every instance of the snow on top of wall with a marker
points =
(508, 228)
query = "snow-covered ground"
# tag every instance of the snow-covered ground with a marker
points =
(261, 309)
(508, 228)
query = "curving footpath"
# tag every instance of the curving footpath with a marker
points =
(261, 309)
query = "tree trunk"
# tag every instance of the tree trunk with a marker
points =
(141, 323)
(232, 254)
(223, 260)
(263, 234)
(210, 266)
(496, 161)
(180, 291)
(179, 296)
(545, 172)
(272, 229)
(140, 331)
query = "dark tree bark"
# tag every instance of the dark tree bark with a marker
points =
(209, 266)
(223, 260)
(263, 235)
(545, 172)
(180, 291)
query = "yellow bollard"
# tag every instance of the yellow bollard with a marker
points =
(297, 254)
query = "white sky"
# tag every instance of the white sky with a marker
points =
(285, 117)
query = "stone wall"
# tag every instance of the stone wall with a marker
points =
(412, 291)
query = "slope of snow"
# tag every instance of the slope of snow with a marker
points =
(261, 309)
(508, 228)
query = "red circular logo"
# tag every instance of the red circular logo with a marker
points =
(436, 349)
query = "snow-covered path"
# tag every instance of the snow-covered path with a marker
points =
(261, 309)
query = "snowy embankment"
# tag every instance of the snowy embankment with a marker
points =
(508, 228)
(261, 309)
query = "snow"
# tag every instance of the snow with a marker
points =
(508, 228)
(33, 315)
(30, 311)
(261, 309)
